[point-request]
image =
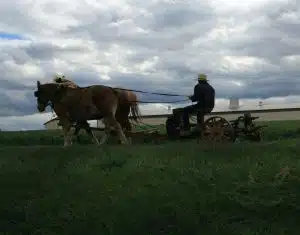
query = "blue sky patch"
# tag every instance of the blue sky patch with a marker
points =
(10, 36)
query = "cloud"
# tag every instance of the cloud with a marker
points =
(248, 49)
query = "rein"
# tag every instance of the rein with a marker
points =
(152, 93)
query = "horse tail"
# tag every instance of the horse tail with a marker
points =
(135, 111)
(128, 97)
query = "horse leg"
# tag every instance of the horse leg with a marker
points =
(66, 126)
(90, 133)
(94, 138)
(128, 130)
(106, 132)
(111, 124)
(126, 125)
(122, 118)
(76, 131)
(85, 125)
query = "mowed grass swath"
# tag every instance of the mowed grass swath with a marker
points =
(171, 188)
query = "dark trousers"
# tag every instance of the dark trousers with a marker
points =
(191, 109)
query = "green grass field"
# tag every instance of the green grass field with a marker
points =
(172, 188)
(276, 130)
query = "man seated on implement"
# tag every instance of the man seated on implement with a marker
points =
(204, 95)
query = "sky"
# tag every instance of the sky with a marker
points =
(248, 49)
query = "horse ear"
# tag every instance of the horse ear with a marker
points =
(38, 84)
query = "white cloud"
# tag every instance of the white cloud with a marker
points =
(292, 62)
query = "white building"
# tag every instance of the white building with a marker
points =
(234, 104)
(52, 124)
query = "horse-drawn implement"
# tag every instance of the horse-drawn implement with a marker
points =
(245, 128)
(214, 129)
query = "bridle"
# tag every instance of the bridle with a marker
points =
(48, 103)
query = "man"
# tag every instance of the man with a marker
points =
(204, 95)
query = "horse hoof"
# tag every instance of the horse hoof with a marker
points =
(67, 145)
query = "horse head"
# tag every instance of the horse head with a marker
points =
(47, 93)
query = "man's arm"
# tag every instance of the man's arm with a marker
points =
(193, 97)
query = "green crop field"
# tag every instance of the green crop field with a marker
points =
(170, 188)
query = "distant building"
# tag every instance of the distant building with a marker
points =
(234, 103)
(52, 124)
(99, 124)
(260, 104)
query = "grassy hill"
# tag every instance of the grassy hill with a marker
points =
(172, 188)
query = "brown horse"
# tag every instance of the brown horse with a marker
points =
(79, 105)
(128, 102)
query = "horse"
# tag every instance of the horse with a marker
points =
(79, 105)
(128, 103)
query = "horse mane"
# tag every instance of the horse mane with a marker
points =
(50, 84)
(62, 79)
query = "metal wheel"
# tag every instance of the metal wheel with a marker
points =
(217, 129)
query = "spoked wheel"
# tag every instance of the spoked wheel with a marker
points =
(217, 129)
